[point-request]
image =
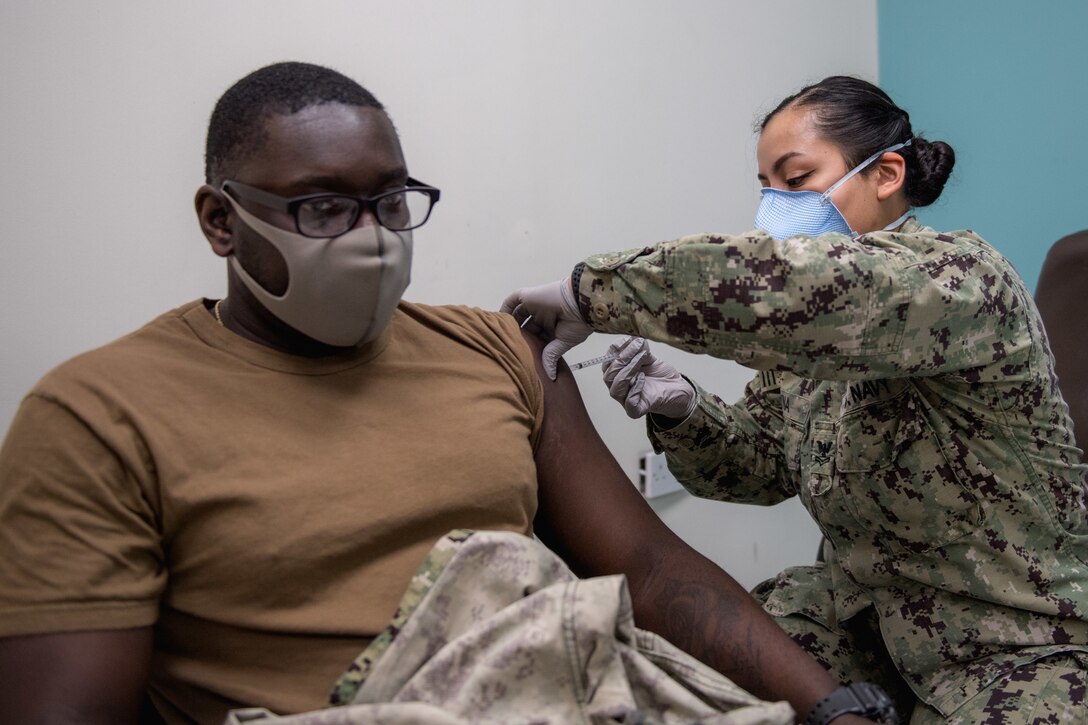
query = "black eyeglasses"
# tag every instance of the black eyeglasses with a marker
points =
(330, 215)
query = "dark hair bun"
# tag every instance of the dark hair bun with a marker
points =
(931, 164)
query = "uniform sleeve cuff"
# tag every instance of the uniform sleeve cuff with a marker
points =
(575, 284)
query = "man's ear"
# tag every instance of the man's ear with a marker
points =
(214, 213)
(891, 175)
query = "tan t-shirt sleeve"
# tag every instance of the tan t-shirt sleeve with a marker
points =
(514, 353)
(498, 336)
(80, 548)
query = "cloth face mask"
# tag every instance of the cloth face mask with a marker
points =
(784, 214)
(341, 291)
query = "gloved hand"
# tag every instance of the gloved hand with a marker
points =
(556, 313)
(643, 384)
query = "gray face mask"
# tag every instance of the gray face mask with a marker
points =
(341, 291)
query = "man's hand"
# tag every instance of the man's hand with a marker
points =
(643, 384)
(555, 314)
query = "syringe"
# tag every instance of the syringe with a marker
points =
(594, 361)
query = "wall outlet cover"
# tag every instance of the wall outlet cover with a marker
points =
(654, 477)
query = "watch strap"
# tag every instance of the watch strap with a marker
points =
(857, 698)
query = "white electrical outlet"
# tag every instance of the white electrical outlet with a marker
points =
(654, 477)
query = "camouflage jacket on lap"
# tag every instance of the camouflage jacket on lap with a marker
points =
(494, 628)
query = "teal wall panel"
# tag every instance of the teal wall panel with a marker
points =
(1006, 84)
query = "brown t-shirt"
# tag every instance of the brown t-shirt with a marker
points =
(263, 511)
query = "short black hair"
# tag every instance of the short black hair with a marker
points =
(861, 119)
(234, 130)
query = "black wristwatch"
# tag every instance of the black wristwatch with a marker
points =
(858, 698)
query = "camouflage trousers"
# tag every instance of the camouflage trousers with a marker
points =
(1052, 690)
(495, 628)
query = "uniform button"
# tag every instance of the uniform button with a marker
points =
(600, 310)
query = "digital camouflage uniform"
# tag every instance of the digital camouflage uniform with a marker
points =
(494, 628)
(907, 394)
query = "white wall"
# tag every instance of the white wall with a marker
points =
(554, 130)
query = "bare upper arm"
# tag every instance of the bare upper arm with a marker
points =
(589, 512)
(75, 677)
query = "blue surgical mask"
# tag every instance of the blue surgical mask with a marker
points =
(785, 214)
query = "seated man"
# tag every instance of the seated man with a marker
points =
(222, 508)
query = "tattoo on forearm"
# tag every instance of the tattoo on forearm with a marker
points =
(710, 624)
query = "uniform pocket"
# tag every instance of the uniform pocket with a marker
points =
(897, 480)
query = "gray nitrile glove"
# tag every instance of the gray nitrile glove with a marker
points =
(556, 313)
(643, 384)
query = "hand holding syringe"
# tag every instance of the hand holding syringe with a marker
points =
(644, 384)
